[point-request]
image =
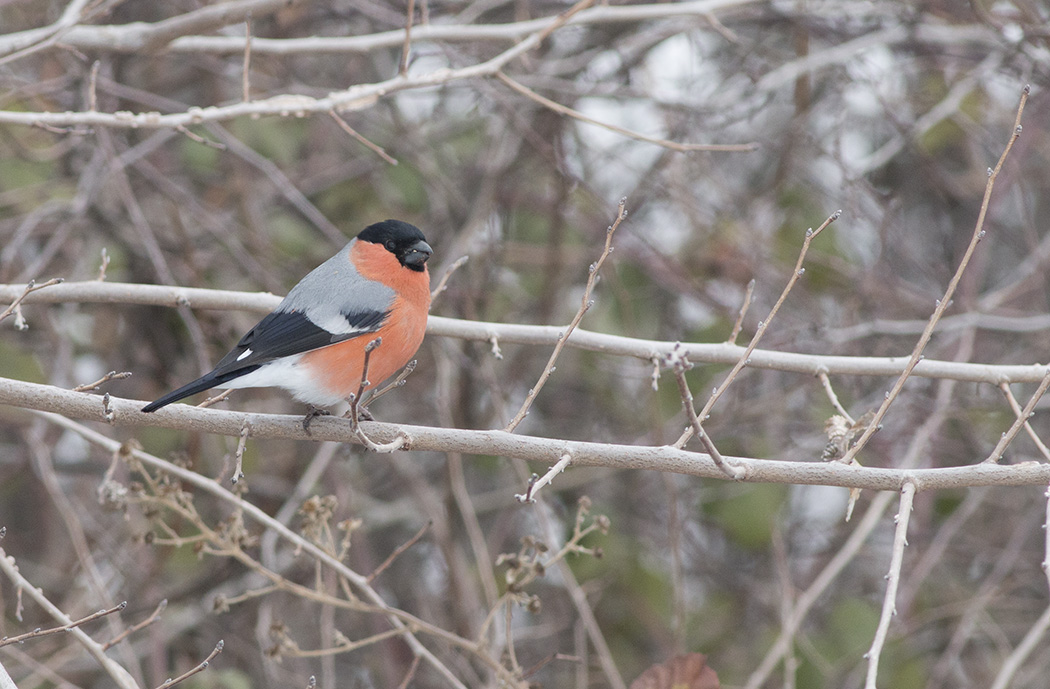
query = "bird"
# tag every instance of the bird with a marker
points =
(374, 291)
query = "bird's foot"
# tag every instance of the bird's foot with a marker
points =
(314, 413)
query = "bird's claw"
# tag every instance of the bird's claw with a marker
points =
(314, 413)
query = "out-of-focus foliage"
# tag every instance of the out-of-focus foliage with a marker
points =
(891, 111)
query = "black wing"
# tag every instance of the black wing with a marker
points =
(279, 334)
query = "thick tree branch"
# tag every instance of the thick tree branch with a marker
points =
(124, 412)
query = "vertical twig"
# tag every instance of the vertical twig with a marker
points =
(585, 304)
(826, 382)
(402, 68)
(749, 295)
(355, 406)
(889, 601)
(246, 88)
(92, 86)
(679, 365)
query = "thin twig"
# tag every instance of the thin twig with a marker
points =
(29, 289)
(112, 375)
(739, 324)
(745, 358)
(102, 267)
(92, 83)
(409, 16)
(443, 282)
(246, 89)
(346, 646)
(375, 148)
(1046, 539)
(396, 383)
(1005, 387)
(37, 633)
(410, 674)
(153, 617)
(355, 407)
(637, 136)
(889, 607)
(218, 145)
(679, 365)
(238, 455)
(1020, 421)
(535, 482)
(826, 382)
(945, 301)
(200, 668)
(215, 400)
(585, 304)
(398, 551)
(1029, 643)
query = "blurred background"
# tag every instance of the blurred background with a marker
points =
(892, 112)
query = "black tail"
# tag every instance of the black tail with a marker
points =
(205, 382)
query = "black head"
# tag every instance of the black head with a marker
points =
(403, 240)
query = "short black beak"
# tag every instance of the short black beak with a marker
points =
(416, 256)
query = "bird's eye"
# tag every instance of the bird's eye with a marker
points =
(390, 245)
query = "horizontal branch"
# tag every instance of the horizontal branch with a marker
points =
(357, 97)
(140, 36)
(546, 335)
(122, 412)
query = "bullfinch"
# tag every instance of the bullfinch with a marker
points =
(313, 344)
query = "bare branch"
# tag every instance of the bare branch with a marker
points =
(398, 551)
(585, 304)
(199, 668)
(745, 358)
(637, 136)
(1020, 422)
(889, 607)
(943, 302)
(679, 365)
(443, 282)
(120, 676)
(536, 482)
(153, 617)
(500, 443)
(547, 335)
(211, 487)
(26, 291)
(378, 150)
(37, 633)
(749, 294)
